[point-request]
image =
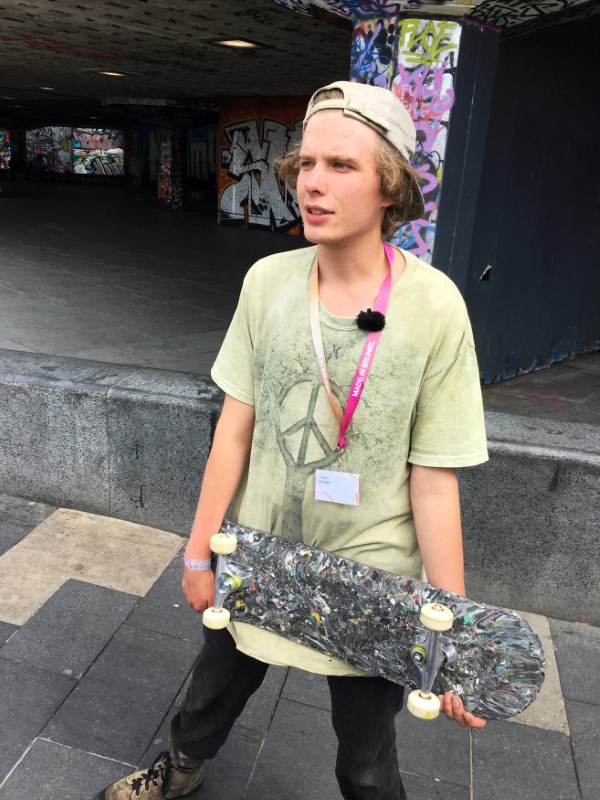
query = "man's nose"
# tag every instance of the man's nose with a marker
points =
(314, 179)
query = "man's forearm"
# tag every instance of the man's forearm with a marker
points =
(436, 508)
(224, 469)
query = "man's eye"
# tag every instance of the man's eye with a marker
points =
(304, 164)
(341, 165)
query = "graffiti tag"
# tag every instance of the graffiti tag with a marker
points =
(372, 56)
(427, 58)
(256, 198)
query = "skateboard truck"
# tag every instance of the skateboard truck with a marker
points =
(429, 652)
(229, 576)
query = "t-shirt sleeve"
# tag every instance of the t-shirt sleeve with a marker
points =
(449, 426)
(233, 368)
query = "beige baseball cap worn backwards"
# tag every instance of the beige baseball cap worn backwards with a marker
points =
(381, 110)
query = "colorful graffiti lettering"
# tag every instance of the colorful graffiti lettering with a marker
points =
(506, 13)
(97, 139)
(425, 43)
(373, 48)
(255, 198)
(97, 151)
(427, 60)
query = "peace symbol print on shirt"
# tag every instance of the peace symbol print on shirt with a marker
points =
(302, 443)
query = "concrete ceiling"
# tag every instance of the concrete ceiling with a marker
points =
(166, 49)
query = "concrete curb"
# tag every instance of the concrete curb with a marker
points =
(531, 518)
(115, 440)
(132, 443)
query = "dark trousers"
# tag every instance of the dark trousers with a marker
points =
(363, 712)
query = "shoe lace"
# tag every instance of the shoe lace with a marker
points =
(159, 771)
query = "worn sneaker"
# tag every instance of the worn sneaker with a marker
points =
(168, 777)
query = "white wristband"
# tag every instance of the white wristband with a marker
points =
(197, 566)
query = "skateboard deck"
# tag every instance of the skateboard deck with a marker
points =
(370, 619)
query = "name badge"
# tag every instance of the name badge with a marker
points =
(336, 487)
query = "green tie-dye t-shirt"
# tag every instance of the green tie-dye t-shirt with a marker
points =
(420, 405)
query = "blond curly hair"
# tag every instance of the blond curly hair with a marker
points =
(394, 171)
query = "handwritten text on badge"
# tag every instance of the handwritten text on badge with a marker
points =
(336, 487)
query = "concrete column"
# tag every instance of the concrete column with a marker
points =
(170, 178)
(431, 65)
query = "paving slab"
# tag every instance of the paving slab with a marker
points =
(26, 510)
(420, 743)
(71, 629)
(297, 761)
(6, 631)
(434, 789)
(121, 701)
(515, 762)
(578, 656)
(260, 708)
(28, 698)
(54, 772)
(226, 775)
(18, 517)
(12, 531)
(548, 709)
(308, 688)
(584, 721)
(165, 609)
(68, 544)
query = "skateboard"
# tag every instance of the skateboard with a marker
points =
(399, 628)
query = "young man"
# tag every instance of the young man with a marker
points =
(291, 365)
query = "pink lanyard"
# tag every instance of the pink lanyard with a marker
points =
(367, 355)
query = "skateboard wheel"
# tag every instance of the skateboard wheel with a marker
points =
(436, 617)
(223, 543)
(216, 618)
(423, 706)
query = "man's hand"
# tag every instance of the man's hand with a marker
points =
(453, 708)
(198, 588)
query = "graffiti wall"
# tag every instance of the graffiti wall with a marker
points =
(507, 13)
(4, 149)
(254, 132)
(202, 154)
(427, 61)
(374, 52)
(417, 60)
(357, 9)
(170, 174)
(97, 151)
(500, 13)
(39, 144)
(85, 151)
(61, 150)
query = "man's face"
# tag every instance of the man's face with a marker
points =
(339, 189)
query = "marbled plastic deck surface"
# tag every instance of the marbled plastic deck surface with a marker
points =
(369, 618)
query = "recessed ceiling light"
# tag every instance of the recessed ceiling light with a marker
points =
(242, 44)
(6, 97)
(112, 74)
(48, 88)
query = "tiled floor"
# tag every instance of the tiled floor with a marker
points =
(103, 273)
(92, 669)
